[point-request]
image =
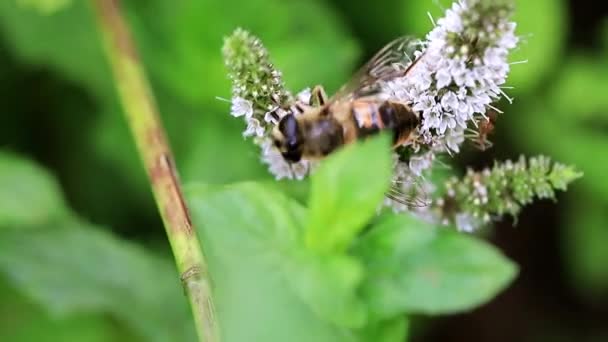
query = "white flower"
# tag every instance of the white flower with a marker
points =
(454, 140)
(466, 222)
(241, 107)
(281, 168)
(304, 96)
(420, 163)
(254, 128)
(455, 82)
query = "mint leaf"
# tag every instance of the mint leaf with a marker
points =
(28, 194)
(414, 268)
(346, 191)
(70, 267)
(250, 234)
(24, 321)
(391, 330)
(329, 283)
(75, 268)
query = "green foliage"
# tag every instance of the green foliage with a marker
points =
(414, 268)
(329, 284)
(29, 322)
(69, 267)
(28, 195)
(45, 6)
(345, 193)
(392, 330)
(282, 272)
(74, 268)
(353, 290)
(251, 253)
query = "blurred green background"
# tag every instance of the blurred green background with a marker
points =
(59, 109)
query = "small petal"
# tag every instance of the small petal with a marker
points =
(241, 107)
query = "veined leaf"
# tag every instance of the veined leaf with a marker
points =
(345, 193)
(415, 268)
(76, 268)
(268, 286)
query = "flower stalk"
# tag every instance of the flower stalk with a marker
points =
(260, 97)
(150, 137)
(473, 200)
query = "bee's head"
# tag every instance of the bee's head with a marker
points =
(287, 138)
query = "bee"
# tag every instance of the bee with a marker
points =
(358, 110)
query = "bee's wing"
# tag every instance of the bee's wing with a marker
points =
(390, 62)
(414, 197)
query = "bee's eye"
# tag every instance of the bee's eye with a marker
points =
(289, 126)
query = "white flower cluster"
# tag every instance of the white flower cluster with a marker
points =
(277, 165)
(258, 96)
(458, 75)
(460, 71)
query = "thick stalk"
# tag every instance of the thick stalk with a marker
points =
(146, 127)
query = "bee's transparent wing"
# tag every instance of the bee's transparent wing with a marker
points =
(409, 192)
(390, 62)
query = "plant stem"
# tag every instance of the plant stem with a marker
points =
(146, 127)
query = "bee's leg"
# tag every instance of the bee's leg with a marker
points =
(318, 97)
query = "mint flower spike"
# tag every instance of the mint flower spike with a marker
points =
(461, 67)
(463, 64)
(260, 97)
(472, 201)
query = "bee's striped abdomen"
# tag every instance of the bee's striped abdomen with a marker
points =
(366, 117)
(372, 117)
(399, 118)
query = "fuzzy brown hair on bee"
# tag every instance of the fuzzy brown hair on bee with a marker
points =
(311, 137)
(320, 131)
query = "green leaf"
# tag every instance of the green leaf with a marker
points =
(268, 287)
(414, 268)
(250, 233)
(45, 6)
(329, 283)
(74, 268)
(28, 194)
(346, 191)
(391, 330)
(23, 321)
